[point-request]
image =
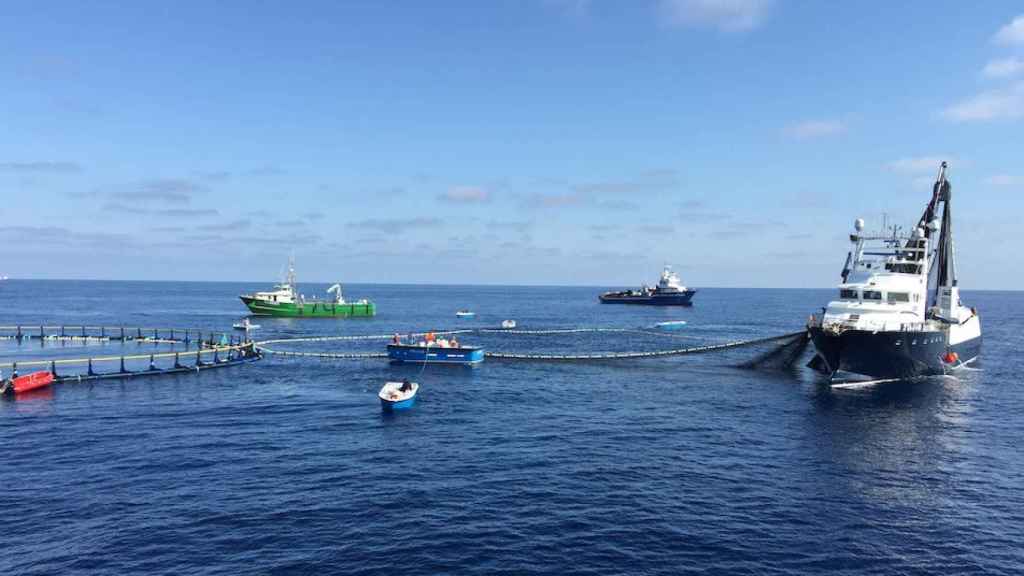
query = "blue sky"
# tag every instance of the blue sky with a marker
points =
(522, 142)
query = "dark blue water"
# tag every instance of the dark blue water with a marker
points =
(682, 465)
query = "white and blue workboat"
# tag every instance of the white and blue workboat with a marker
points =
(899, 313)
(434, 351)
(398, 395)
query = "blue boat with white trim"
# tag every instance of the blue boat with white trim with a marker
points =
(434, 351)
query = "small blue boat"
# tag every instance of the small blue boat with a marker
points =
(398, 395)
(434, 353)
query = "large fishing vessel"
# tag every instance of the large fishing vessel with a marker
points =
(899, 313)
(669, 292)
(285, 300)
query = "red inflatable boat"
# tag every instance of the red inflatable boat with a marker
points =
(28, 382)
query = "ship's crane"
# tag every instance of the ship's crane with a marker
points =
(336, 290)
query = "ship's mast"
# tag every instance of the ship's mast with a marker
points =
(946, 294)
(290, 280)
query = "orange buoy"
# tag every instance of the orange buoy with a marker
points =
(32, 381)
(951, 357)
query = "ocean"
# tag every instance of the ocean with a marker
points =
(652, 466)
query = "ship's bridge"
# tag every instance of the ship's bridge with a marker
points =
(881, 301)
(283, 294)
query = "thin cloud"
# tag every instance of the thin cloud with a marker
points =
(465, 195)
(813, 129)
(742, 229)
(1004, 180)
(167, 190)
(617, 205)
(265, 171)
(689, 216)
(204, 238)
(168, 197)
(656, 229)
(1003, 68)
(604, 228)
(84, 194)
(1012, 33)
(397, 224)
(646, 182)
(186, 212)
(215, 176)
(233, 226)
(577, 8)
(515, 226)
(1000, 104)
(919, 164)
(285, 240)
(296, 223)
(726, 15)
(165, 212)
(554, 200)
(44, 167)
(61, 235)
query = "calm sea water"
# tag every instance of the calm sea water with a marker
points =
(683, 465)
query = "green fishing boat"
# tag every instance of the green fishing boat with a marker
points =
(285, 300)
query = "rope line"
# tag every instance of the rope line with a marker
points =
(263, 348)
(654, 354)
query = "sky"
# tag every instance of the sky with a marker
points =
(564, 142)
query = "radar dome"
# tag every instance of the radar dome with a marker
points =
(858, 224)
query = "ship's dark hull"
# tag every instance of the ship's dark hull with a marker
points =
(889, 354)
(655, 299)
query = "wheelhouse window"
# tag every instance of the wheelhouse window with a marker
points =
(872, 295)
(847, 294)
(898, 297)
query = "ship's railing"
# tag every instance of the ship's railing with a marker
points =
(859, 324)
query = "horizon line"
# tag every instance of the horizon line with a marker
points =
(453, 284)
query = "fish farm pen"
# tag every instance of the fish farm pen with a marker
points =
(131, 352)
(141, 351)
